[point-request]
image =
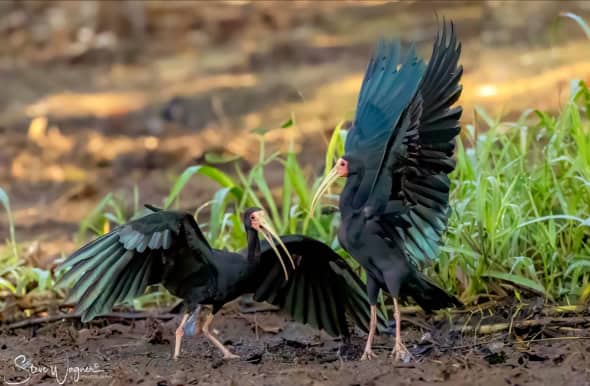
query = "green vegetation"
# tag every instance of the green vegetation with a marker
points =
(521, 207)
(16, 278)
(10, 258)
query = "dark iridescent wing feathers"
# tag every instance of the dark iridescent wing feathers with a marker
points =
(118, 266)
(323, 291)
(389, 84)
(418, 154)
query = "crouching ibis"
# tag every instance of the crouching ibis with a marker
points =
(314, 285)
(395, 202)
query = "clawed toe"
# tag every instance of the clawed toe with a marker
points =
(368, 355)
(401, 353)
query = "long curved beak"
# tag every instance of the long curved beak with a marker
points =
(324, 185)
(270, 235)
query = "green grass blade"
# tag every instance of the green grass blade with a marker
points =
(555, 217)
(218, 208)
(5, 200)
(5, 284)
(213, 173)
(335, 147)
(297, 179)
(95, 217)
(518, 280)
(264, 189)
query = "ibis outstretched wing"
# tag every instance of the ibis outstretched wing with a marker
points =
(323, 291)
(412, 175)
(162, 247)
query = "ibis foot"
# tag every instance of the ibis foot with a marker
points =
(401, 353)
(227, 356)
(368, 355)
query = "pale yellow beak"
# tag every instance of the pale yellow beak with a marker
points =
(270, 235)
(324, 185)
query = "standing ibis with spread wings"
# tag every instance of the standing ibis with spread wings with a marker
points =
(398, 154)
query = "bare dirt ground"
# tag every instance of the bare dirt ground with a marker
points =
(77, 123)
(276, 352)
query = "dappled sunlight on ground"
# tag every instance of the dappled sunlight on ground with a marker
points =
(70, 104)
(107, 104)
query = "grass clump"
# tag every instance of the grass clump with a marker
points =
(9, 257)
(16, 278)
(521, 205)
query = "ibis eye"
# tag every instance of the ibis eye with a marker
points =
(252, 217)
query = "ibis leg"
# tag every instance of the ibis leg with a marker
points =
(226, 353)
(179, 335)
(400, 352)
(368, 354)
(199, 323)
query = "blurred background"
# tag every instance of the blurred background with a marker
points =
(101, 96)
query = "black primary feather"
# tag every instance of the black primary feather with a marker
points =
(418, 153)
(324, 290)
(162, 247)
(390, 82)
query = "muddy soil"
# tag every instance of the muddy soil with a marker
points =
(278, 352)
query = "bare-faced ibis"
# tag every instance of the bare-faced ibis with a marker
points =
(398, 154)
(315, 285)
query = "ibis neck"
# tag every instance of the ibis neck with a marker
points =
(253, 255)
(354, 193)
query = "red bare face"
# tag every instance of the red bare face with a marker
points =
(256, 219)
(342, 167)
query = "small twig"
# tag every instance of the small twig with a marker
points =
(257, 308)
(410, 310)
(112, 315)
(493, 328)
(557, 338)
(417, 323)
(576, 309)
(571, 330)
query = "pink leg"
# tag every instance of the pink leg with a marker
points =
(179, 335)
(368, 354)
(226, 353)
(400, 352)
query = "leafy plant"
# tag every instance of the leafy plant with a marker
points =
(6, 203)
(520, 199)
(9, 258)
(16, 278)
